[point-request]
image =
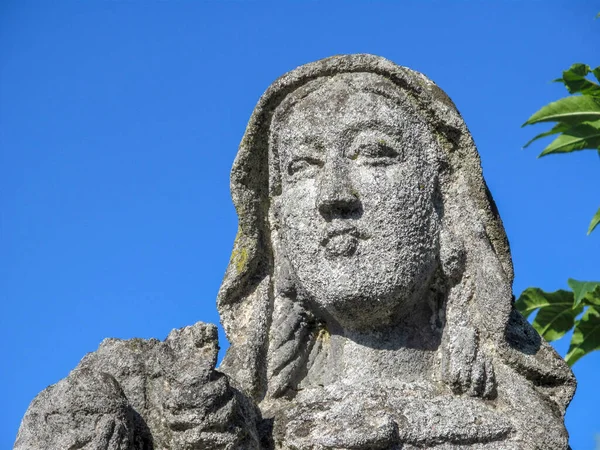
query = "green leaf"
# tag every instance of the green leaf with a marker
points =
(553, 322)
(569, 110)
(558, 128)
(583, 136)
(582, 289)
(532, 299)
(556, 314)
(578, 69)
(575, 80)
(586, 336)
(596, 219)
(596, 73)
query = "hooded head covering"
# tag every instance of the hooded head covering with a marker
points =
(470, 223)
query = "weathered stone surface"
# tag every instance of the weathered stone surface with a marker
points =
(368, 300)
(87, 410)
(149, 395)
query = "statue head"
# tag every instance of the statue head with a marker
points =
(360, 201)
(353, 179)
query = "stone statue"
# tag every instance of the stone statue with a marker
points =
(144, 395)
(368, 299)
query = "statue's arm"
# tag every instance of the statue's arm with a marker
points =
(140, 394)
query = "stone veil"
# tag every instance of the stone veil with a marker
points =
(368, 299)
(486, 363)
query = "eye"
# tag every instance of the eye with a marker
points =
(303, 165)
(378, 152)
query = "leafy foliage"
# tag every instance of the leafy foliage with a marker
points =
(577, 117)
(556, 311)
(569, 111)
(595, 221)
(560, 311)
(577, 126)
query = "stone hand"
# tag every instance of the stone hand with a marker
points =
(465, 366)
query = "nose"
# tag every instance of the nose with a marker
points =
(336, 196)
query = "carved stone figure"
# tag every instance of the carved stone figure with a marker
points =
(144, 395)
(368, 299)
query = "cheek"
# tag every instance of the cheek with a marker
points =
(298, 200)
(397, 206)
(298, 217)
(392, 189)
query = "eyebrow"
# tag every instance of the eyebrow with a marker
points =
(312, 139)
(355, 128)
(364, 125)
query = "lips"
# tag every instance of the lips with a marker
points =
(340, 241)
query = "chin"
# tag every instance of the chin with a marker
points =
(354, 310)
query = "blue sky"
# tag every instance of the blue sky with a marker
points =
(119, 122)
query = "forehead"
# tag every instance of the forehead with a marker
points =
(338, 107)
(352, 101)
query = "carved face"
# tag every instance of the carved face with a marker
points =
(356, 215)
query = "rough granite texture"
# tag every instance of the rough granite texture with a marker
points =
(368, 300)
(144, 395)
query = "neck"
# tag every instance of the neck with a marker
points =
(399, 353)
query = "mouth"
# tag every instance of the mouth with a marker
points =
(340, 241)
